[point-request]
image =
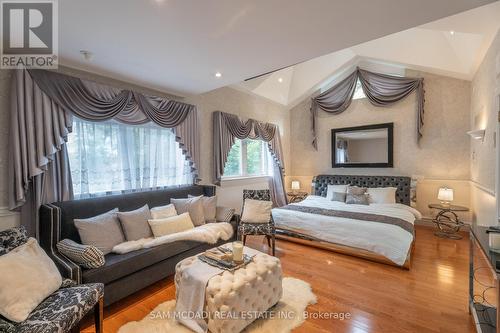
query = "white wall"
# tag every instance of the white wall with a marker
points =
(484, 112)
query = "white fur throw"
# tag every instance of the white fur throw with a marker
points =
(206, 233)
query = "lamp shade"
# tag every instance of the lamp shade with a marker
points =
(295, 185)
(445, 194)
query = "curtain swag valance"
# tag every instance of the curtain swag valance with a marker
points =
(380, 89)
(229, 127)
(42, 106)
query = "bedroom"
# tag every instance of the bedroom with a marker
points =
(361, 216)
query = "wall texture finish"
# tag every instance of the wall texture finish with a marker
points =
(443, 153)
(484, 174)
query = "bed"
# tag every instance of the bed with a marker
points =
(377, 232)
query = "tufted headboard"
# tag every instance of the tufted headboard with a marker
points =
(403, 184)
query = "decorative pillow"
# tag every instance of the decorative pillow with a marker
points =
(356, 195)
(337, 196)
(335, 189)
(28, 277)
(224, 214)
(87, 256)
(382, 195)
(256, 211)
(163, 211)
(193, 206)
(135, 223)
(171, 225)
(102, 231)
(209, 207)
(12, 238)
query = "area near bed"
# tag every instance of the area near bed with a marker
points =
(383, 225)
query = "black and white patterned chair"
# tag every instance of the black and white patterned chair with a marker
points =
(266, 228)
(62, 311)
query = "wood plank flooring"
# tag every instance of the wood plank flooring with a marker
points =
(431, 297)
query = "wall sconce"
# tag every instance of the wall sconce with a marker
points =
(477, 134)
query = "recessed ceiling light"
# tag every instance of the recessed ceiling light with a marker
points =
(280, 79)
(218, 74)
(452, 32)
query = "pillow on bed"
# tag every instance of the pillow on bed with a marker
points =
(335, 189)
(337, 196)
(382, 195)
(356, 196)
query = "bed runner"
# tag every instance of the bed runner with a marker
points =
(403, 224)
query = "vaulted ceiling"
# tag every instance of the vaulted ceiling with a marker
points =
(452, 46)
(178, 45)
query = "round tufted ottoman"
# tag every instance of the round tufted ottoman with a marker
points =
(235, 299)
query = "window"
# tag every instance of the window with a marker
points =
(109, 157)
(248, 158)
(358, 92)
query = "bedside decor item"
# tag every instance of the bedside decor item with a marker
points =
(445, 195)
(294, 197)
(295, 185)
(447, 220)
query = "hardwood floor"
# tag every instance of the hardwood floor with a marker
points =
(431, 297)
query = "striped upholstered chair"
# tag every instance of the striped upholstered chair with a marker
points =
(266, 228)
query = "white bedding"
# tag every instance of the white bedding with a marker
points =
(387, 240)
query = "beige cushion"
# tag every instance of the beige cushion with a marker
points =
(135, 223)
(171, 225)
(382, 195)
(27, 277)
(256, 211)
(162, 212)
(103, 231)
(193, 206)
(209, 207)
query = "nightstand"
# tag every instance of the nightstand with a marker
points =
(447, 220)
(296, 196)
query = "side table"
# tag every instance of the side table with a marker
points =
(296, 196)
(447, 220)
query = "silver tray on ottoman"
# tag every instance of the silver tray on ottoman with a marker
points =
(227, 265)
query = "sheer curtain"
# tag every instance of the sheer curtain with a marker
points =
(110, 157)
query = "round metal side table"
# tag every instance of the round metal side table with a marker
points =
(447, 220)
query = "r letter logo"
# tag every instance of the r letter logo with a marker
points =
(29, 34)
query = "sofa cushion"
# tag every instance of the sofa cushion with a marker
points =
(102, 231)
(121, 265)
(193, 206)
(135, 223)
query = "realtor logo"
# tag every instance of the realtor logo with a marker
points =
(29, 34)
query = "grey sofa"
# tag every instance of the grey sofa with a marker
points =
(122, 274)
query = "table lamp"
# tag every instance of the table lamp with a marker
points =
(295, 185)
(445, 195)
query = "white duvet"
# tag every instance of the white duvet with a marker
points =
(387, 240)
